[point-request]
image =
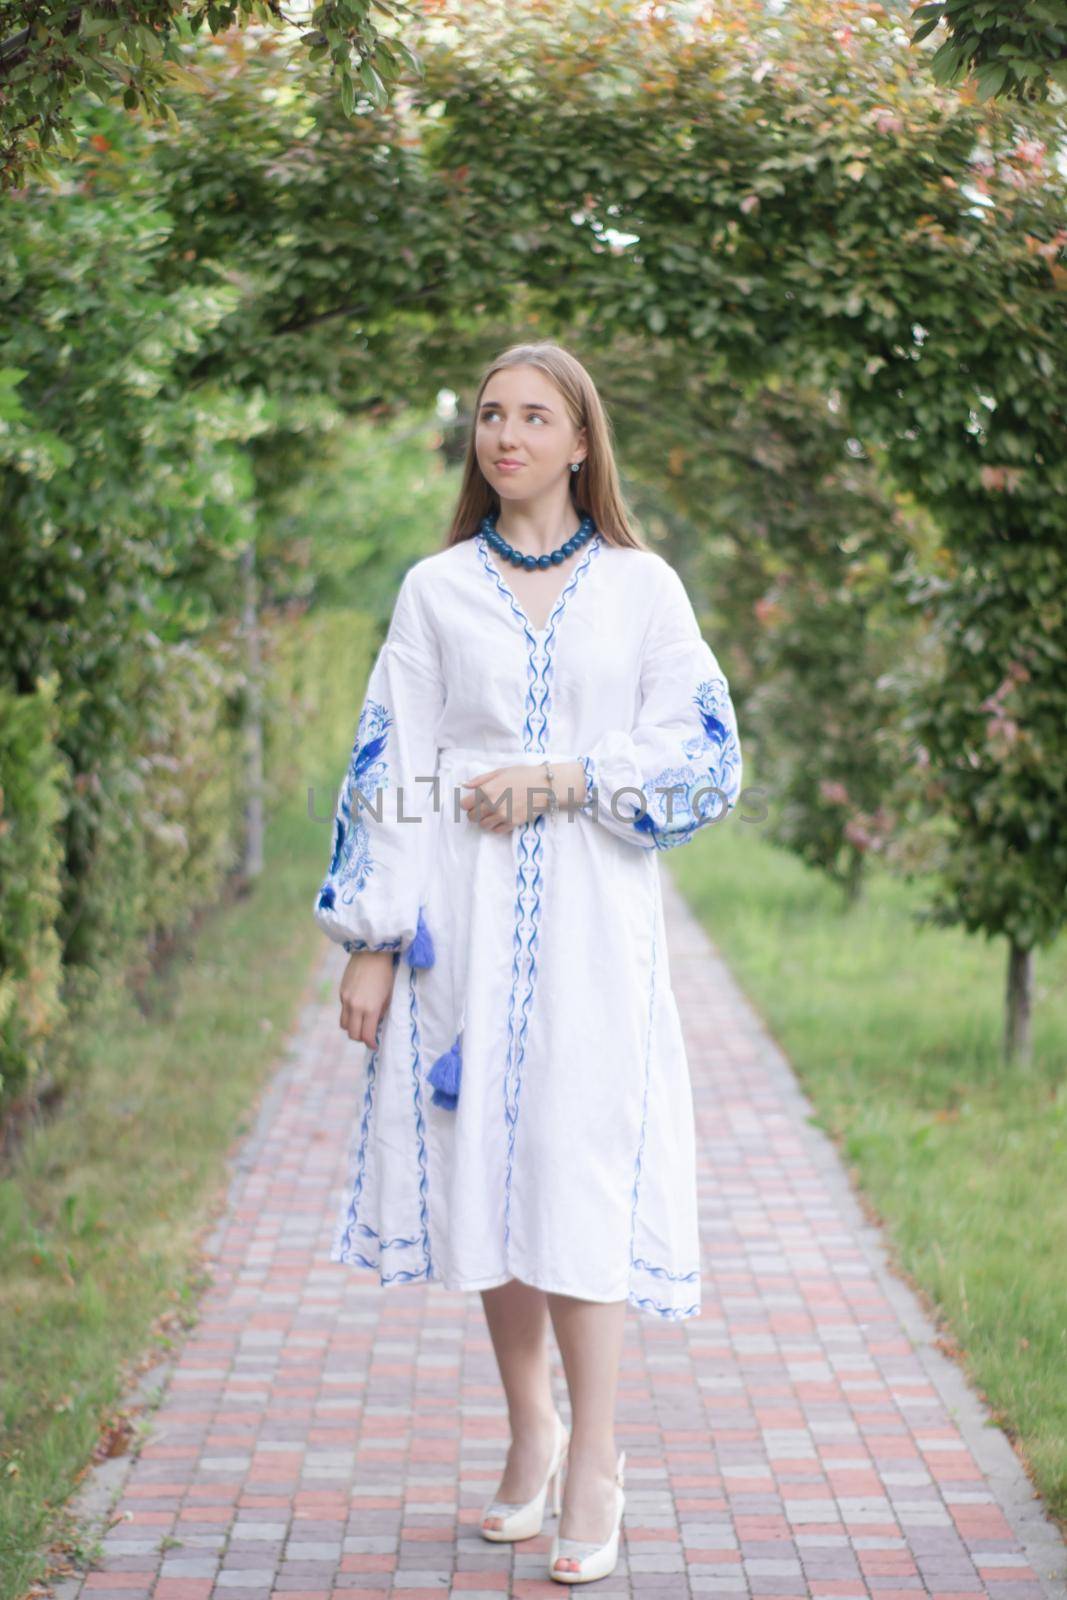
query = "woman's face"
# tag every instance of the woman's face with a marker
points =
(522, 418)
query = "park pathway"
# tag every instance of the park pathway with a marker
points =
(805, 1435)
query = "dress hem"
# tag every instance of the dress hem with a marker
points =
(473, 1286)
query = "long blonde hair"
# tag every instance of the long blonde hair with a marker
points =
(594, 487)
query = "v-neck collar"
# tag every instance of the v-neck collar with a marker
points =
(491, 567)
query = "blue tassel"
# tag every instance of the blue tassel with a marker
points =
(445, 1075)
(420, 952)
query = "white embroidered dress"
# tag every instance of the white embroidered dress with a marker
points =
(568, 1157)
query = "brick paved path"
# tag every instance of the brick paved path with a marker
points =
(803, 1436)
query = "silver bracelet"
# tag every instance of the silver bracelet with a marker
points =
(553, 802)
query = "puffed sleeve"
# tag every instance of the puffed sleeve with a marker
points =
(372, 895)
(679, 767)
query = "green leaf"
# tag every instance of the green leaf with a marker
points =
(990, 79)
(372, 80)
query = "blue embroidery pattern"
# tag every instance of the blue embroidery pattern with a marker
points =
(539, 663)
(637, 1263)
(705, 786)
(589, 767)
(351, 863)
(417, 1245)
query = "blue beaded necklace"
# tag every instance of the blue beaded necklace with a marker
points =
(553, 558)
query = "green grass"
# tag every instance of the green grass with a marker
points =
(101, 1215)
(894, 1030)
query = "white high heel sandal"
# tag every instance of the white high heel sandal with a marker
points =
(594, 1560)
(523, 1520)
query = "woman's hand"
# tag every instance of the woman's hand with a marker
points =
(527, 788)
(366, 989)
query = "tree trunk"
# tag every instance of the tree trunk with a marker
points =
(253, 841)
(854, 882)
(1018, 1049)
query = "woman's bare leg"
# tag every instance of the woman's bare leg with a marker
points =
(589, 1334)
(517, 1315)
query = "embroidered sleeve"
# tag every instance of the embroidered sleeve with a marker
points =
(679, 767)
(589, 767)
(372, 895)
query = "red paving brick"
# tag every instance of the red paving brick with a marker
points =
(321, 1436)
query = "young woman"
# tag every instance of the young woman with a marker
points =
(543, 718)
